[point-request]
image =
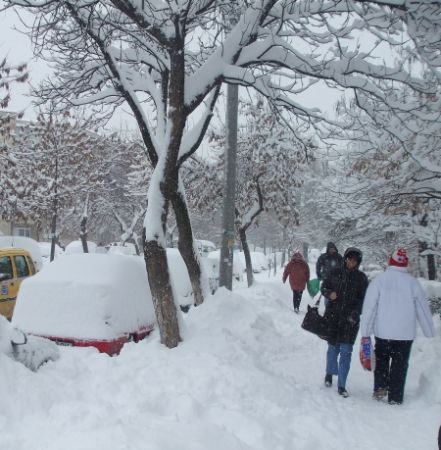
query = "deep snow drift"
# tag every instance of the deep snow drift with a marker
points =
(246, 376)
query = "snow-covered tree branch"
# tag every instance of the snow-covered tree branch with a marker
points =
(167, 61)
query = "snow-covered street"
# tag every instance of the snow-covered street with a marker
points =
(246, 376)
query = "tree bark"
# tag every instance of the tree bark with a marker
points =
(246, 252)
(53, 234)
(54, 211)
(155, 257)
(186, 246)
(431, 267)
(83, 234)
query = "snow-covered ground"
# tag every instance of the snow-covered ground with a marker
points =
(246, 376)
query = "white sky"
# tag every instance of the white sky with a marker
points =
(245, 377)
(17, 47)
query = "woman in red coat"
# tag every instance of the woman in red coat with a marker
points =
(298, 271)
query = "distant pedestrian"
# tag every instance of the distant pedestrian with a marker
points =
(345, 288)
(298, 272)
(327, 261)
(394, 302)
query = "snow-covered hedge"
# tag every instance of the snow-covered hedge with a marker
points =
(433, 290)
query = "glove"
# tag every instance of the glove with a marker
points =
(353, 318)
(366, 353)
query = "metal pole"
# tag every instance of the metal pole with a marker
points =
(228, 234)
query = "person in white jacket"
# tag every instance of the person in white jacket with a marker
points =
(393, 304)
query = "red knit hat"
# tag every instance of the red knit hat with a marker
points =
(399, 258)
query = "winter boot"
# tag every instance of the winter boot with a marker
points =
(328, 380)
(343, 392)
(379, 394)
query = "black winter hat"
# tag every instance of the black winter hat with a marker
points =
(353, 252)
(330, 245)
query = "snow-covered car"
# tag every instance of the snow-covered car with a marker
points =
(32, 351)
(45, 249)
(126, 248)
(259, 261)
(75, 247)
(26, 243)
(87, 299)
(180, 279)
(16, 265)
(204, 247)
(214, 259)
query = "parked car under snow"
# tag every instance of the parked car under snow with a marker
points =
(88, 300)
(181, 280)
(32, 351)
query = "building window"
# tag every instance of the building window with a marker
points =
(22, 231)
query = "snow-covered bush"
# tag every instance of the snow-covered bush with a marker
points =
(433, 291)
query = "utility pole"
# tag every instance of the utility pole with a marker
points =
(228, 234)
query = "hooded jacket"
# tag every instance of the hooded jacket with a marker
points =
(343, 314)
(394, 303)
(327, 261)
(298, 272)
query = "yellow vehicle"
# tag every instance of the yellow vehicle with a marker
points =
(15, 265)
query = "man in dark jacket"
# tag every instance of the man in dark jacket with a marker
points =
(328, 261)
(345, 288)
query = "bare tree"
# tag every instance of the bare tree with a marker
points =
(10, 74)
(57, 166)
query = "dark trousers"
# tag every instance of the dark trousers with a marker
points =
(391, 363)
(296, 298)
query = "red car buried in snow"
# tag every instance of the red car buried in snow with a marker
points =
(83, 300)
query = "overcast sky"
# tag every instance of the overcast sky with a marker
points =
(16, 46)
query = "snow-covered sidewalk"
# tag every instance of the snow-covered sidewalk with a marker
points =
(245, 377)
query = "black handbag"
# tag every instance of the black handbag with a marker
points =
(315, 323)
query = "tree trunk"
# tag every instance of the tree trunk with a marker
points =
(83, 234)
(431, 267)
(246, 252)
(186, 246)
(53, 234)
(155, 257)
(422, 246)
(54, 211)
(275, 263)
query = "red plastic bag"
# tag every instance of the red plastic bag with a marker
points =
(366, 358)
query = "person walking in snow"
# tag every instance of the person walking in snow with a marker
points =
(394, 302)
(327, 261)
(298, 272)
(345, 288)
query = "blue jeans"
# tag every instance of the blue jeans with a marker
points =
(339, 366)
